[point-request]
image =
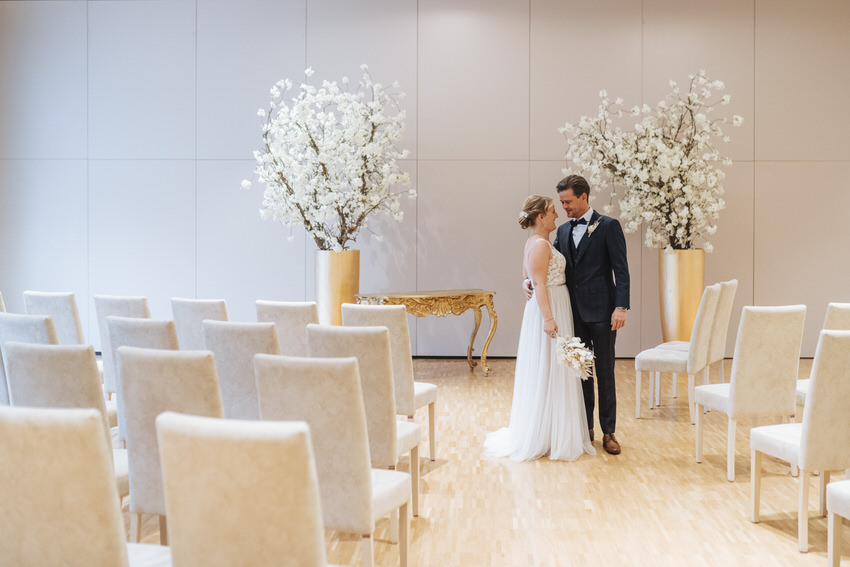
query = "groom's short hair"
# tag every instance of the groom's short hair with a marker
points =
(577, 183)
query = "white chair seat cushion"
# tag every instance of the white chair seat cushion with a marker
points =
(409, 434)
(662, 360)
(714, 396)
(838, 498)
(111, 412)
(424, 394)
(122, 471)
(148, 555)
(390, 489)
(781, 441)
(675, 345)
(802, 391)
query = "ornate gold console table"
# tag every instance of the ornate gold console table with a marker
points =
(442, 303)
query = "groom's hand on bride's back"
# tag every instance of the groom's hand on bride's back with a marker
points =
(527, 288)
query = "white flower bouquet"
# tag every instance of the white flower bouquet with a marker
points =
(668, 162)
(329, 158)
(572, 352)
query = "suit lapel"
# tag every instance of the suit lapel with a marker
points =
(585, 240)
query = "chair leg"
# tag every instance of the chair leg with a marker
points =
(824, 480)
(367, 551)
(730, 450)
(651, 389)
(721, 371)
(691, 397)
(833, 538)
(403, 538)
(135, 527)
(432, 426)
(698, 448)
(394, 526)
(637, 393)
(163, 531)
(803, 512)
(658, 389)
(675, 385)
(755, 484)
(795, 470)
(414, 478)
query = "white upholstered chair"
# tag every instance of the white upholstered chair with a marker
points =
(61, 376)
(692, 361)
(262, 473)
(188, 316)
(291, 319)
(234, 346)
(409, 395)
(838, 507)
(326, 393)
(36, 329)
(137, 332)
(117, 306)
(389, 438)
(62, 309)
(58, 503)
(154, 381)
(2, 305)
(764, 373)
(820, 442)
(837, 319)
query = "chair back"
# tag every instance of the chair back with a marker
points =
(837, 317)
(119, 306)
(58, 498)
(188, 316)
(826, 416)
(266, 475)
(62, 308)
(291, 319)
(234, 346)
(371, 347)
(701, 333)
(720, 324)
(36, 329)
(326, 394)
(394, 318)
(154, 381)
(766, 361)
(55, 376)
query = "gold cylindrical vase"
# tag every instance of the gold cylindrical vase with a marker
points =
(337, 282)
(681, 280)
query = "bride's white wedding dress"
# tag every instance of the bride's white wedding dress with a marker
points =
(547, 415)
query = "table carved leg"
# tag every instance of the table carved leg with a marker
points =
(472, 363)
(494, 320)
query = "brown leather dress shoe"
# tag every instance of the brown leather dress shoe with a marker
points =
(590, 432)
(610, 444)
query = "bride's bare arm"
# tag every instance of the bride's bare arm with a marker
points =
(538, 270)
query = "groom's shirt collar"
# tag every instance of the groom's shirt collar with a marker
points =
(580, 229)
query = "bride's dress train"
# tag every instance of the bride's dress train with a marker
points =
(547, 414)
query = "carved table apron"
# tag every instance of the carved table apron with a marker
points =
(442, 303)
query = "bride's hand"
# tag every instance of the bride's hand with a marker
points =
(550, 327)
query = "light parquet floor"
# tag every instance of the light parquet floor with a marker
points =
(651, 505)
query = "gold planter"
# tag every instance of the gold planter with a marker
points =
(337, 282)
(681, 280)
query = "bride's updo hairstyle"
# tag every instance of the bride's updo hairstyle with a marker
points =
(533, 207)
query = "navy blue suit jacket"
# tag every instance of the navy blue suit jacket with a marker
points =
(598, 272)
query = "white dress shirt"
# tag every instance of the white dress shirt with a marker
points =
(580, 229)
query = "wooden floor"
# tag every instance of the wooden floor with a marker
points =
(651, 505)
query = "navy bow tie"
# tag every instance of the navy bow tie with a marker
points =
(578, 221)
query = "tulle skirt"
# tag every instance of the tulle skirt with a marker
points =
(547, 413)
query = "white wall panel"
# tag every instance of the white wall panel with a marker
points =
(469, 238)
(43, 218)
(43, 85)
(141, 72)
(342, 35)
(242, 257)
(802, 76)
(801, 236)
(142, 231)
(473, 79)
(243, 49)
(577, 49)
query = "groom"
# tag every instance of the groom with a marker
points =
(598, 280)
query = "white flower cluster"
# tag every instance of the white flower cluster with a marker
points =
(329, 159)
(572, 352)
(668, 162)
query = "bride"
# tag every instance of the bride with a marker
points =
(547, 415)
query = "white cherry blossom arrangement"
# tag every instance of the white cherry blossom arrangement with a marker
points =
(329, 157)
(667, 163)
(572, 352)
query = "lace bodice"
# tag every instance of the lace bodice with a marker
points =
(557, 266)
